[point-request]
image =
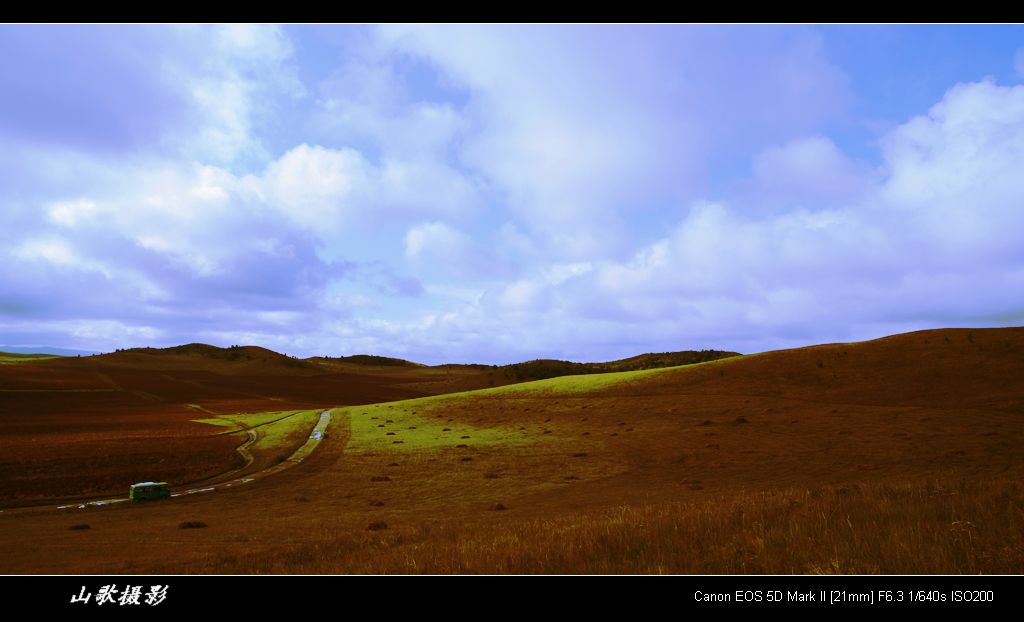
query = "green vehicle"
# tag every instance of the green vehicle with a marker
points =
(149, 490)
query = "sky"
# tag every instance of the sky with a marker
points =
(499, 193)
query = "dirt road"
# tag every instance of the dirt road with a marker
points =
(316, 435)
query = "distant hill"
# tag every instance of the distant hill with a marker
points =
(250, 356)
(900, 455)
(547, 368)
(366, 359)
(232, 353)
(246, 359)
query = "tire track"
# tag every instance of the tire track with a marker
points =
(317, 434)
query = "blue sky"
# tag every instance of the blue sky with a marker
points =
(500, 193)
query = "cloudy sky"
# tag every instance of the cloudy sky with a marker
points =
(500, 193)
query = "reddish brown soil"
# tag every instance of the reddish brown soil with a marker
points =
(93, 425)
(900, 455)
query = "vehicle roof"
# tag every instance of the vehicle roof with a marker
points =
(150, 484)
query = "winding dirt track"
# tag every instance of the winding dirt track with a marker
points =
(300, 454)
(243, 449)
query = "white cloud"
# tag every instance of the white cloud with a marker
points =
(955, 173)
(521, 295)
(280, 318)
(809, 170)
(538, 191)
(559, 273)
(86, 334)
(433, 238)
(942, 218)
(53, 250)
(585, 132)
(317, 187)
(368, 104)
(70, 213)
(325, 190)
(109, 331)
(444, 252)
(727, 274)
(200, 216)
(225, 133)
(232, 75)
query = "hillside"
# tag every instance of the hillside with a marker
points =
(132, 412)
(549, 368)
(204, 355)
(201, 355)
(366, 359)
(900, 455)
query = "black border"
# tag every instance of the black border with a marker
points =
(516, 595)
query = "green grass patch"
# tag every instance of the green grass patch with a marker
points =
(593, 383)
(11, 357)
(277, 434)
(407, 422)
(588, 383)
(248, 420)
(274, 428)
(412, 424)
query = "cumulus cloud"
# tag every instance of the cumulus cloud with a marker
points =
(162, 246)
(331, 188)
(202, 91)
(91, 88)
(235, 75)
(370, 102)
(314, 185)
(163, 236)
(442, 250)
(488, 193)
(808, 172)
(581, 126)
(932, 239)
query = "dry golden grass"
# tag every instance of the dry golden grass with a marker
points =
(91, 426)
(947, 527)
(903, 455)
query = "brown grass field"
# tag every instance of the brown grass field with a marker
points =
(86, 426)
(899, 455)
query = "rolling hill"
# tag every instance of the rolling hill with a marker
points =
(898, 455)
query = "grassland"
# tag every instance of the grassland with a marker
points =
(408, 427)
(278, 433)
(89, 426)
(936, 527)
(422, 424)
(10, 357)
(275, 428)
(901, 455)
